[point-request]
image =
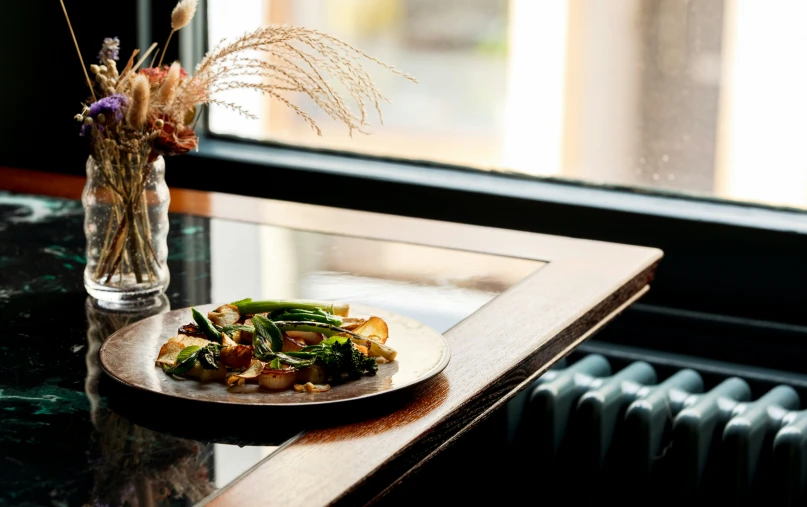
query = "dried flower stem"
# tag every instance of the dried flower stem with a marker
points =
(143, 58)
(128, 242)
(165, 47)
(83, 67)
(180, 17)
(126, 69)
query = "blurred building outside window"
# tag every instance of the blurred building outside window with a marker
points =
(702, 97)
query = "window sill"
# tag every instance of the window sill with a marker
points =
(720, 258)
(258, 158)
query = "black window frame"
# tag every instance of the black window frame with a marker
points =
(729, 267)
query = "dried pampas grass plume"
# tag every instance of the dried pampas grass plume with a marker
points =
(169, 86)
(139, 105)
(299, 60)
(183, 14)
(180, 17)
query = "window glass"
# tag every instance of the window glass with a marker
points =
(703, 97)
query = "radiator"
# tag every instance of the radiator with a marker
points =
(597, 434)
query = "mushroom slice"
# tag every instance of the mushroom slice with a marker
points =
(375, 328)
(237, 356)
(308, 387)
(291, 345)
(251, 373)
(227, 341)
(192, 330)
(224, 315)
(187, 341)
(351, 323)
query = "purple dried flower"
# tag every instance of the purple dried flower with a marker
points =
(109, 50)
(111, 107)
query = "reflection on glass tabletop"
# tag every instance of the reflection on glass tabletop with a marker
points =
(60, 440)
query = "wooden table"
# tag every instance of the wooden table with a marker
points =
(583, 285)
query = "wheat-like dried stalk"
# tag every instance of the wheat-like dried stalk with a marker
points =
(301, 61)
(183, 14)
(139, 106)
(169, 87)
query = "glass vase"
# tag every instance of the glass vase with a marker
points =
(126, 228)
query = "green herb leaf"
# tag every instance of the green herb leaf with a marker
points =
(341, 340)
(261, 347)
(231, 328)
(340, 358)
(210, 356)
(274, 364)
(267, 338)
(296, 359)
(185, 360)
(187, 354)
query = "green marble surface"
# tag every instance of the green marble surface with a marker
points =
(60, 445)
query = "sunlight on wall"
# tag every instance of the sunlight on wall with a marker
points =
(639, 93)
(533, 137)
(226, 21)
(763, 103)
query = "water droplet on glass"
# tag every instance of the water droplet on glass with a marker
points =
(671, 177)
(642, 160)
(656, 177)
(665, 158)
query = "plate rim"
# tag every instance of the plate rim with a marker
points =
(436, 370)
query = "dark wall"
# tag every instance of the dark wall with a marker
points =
(42, 83)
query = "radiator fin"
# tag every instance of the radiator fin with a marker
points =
(624, 431)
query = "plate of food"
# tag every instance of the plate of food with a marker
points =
(274, 352)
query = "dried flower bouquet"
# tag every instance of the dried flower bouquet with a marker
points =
(137, 114)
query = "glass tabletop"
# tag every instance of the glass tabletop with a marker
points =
(63, 440)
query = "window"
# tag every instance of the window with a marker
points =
(702, 97)
(558, 117)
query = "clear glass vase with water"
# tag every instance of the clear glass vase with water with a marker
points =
(126, 203)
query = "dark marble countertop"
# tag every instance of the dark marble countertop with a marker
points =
(67, 431)
(61, 444)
